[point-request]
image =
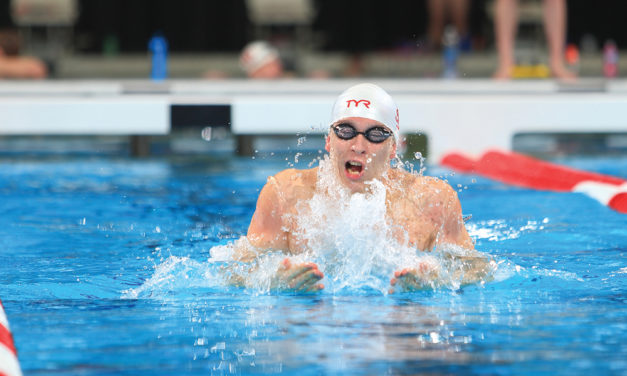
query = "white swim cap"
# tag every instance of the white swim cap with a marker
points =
(367, 101)
(257, 54)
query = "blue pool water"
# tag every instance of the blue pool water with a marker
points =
(106, 269)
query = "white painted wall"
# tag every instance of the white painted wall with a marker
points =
(463, 115)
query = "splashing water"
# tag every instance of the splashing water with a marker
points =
(178, 274)
(346, 234)
(408, 166)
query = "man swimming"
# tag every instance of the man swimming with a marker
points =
(420, 212)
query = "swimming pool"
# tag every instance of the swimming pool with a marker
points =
(106, 269)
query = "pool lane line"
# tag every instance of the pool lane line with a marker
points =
(524, 171)
(9, 365)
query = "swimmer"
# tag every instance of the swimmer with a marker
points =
(14, 66)
(424, 212)
(261, 61)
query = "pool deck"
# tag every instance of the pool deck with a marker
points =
(465, 115)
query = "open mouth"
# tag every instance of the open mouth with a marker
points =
(354, 170)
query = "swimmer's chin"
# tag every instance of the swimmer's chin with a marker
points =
(357, 186)
(362, 186)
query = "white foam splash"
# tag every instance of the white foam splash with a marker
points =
(346, 234)
(499, 229)
(177, 274)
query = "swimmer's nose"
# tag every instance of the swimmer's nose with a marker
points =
(360, 144)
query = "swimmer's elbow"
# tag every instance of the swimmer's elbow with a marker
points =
(480, 270)
(244, 250)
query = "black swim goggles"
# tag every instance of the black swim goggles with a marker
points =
(376, 134)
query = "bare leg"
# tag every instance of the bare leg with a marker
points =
(506, 22)
(555, 30)
(355, 66)
(459, 14)
(436, 22)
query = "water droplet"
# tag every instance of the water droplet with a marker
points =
(218, 346)
(435, 337)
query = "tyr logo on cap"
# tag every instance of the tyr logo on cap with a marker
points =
(357, 102)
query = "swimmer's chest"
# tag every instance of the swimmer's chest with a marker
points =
(409, 223)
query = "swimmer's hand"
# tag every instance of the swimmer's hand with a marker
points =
(463, 270)
(425, 276)
(299, 277)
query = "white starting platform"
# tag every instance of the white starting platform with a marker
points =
(467, 116)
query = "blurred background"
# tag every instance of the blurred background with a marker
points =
(314, 38)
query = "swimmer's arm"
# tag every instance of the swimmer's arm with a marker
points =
(300, 277)
(475, 266)
(266, 230)
(468, 269)
(266, 234)
(453, 226)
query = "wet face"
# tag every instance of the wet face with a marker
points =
(358, 160)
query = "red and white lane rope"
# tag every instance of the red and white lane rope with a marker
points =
(523, 171)
(9, 365)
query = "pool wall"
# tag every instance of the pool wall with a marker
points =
(467, 116)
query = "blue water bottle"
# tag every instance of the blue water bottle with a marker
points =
(450, 41)
(158, 46)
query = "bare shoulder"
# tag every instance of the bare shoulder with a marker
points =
(438, 202)
(292, 185)
(425, 185)
(277, 198)
(293, 176)
(438, 186)
(293, 181)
